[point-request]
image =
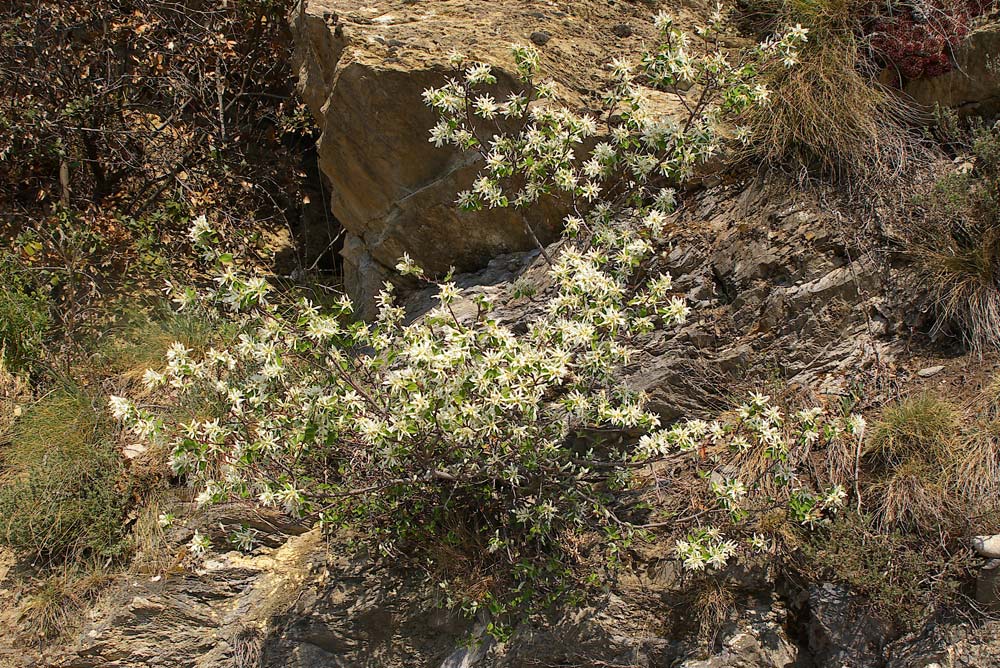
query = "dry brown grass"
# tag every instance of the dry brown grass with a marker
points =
(962, 264)
(152, 551)
(712, 605)
(913, 451)
(979, 467)
(934, 467)
(827, 116)
(56, 604)
(954, 239)
(248, 648)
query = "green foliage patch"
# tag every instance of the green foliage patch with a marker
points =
(24, 316)
(63, 490)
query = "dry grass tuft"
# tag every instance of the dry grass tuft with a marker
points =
(55, 606)
(979, 467)
(963, 264)
(924, 427)
(151, 549)
(15, 391)
(828, 117)
(955, 242)
(712, 605)
(913, 451)
(248, 648)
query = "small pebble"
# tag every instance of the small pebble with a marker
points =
(930, 371)
(540, 38)
(622, 30)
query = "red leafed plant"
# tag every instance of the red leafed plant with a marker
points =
(917, 38)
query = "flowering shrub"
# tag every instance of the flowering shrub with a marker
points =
(457, 431)
(759, 462)
(640, 149)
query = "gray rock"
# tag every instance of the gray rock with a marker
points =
(930, 371)
(759, 640)
(972, 86)
(951, 645)
(987, 546)
(840, 633)
(988, 585)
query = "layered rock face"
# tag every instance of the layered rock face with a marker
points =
(305, 604)
(773, 288)
(363, 67)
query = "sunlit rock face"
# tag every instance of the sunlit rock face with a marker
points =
(363, 67)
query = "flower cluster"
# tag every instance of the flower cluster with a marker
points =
(543, 154)
(759, 463)
(704, 548)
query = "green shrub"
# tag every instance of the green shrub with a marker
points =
(24, 316)
(901, 576)
(62, 490)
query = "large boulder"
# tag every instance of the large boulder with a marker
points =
(362, 69)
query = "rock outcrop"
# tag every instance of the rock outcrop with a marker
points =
(972, 87)
(774, 291)
(362, 69)
(310, 603)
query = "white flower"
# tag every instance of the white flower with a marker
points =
(121, 408)
(153, 379)
(244, 538)
(407, 266)
(663, 21)
(486, 106)
(856, 425)
(199, 230)
(798, 33)
(760, 94)
(621, 68)
(200, 544)
(479, 74)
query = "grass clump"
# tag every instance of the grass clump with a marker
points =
(827, 115)
(56, 604)
(912, 452)
(24, 317)
(67, 491)
(142, 345)
(955, 241)
(63, 491)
